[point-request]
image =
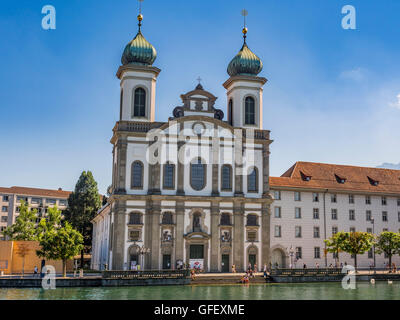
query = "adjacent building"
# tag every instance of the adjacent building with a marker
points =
(39, 199)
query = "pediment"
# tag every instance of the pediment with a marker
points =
(197, 236)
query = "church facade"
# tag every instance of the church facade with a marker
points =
(193, 190)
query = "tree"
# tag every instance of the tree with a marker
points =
(61, 244)
(334, 245)
(24, 227)
(22, 249)
(83, 205)
(58, 242)
(389, 243)
(356, 243)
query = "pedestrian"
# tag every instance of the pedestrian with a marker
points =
(304, 266)
(35, 271)
(394, 267)
(255, 268)
(317, 265)
(233, 268)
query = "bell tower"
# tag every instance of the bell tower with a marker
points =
(244, 89)
(138, 79)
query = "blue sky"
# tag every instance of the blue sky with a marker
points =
(331, 95)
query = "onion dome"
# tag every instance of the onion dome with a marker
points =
(245, 62)
(139, 50)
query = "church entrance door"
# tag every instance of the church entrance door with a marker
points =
(252, 260)
(166, 261)
(225, 263)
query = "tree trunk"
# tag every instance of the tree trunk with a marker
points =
(64, 262)
(82, 258)
(390, 262)
(23, 266)
(355, 262)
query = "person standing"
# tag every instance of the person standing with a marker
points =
(35, 271)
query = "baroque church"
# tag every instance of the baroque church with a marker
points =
(194, 190)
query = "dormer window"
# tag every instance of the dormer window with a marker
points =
(340, 179)
(373, 182)
(304, 176)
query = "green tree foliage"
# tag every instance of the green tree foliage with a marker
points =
(83, 205)
(356, 243)
(389, 243)
(24, 227)
(62, 243)
(334, 244)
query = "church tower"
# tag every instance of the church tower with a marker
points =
(138, 79)
(244, 88)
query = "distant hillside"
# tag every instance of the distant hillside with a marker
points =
(390, 166)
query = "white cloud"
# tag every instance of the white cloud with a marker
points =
(397, 103)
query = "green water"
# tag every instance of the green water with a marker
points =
(314, 291)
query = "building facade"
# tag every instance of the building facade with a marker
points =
(196, 190)
(39, 199)
(313, 201)
(193, 190)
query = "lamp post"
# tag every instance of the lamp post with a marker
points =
(142, 251)
(373, 232)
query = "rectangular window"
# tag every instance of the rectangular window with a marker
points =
(4, 209)
(277, 195)
(368, 215)
(334, 230)
(369, 230)
(367, 200)
(297, 213)
(297, 232)
(333, 198)
(352, 215)
(297, 196)
(398, 216)
(352, 229)
(398, 202)
(351, 198)
(277, 212)
(315, 197)
(370, 254)
(384, 216)
(334, 214)
(384, 202)
(298, 253)
(5, 198)
(4, 219)
(316, 232)
(62, 202)
(169, 174)
(315, 213)
(278, 231)
(21, 198)
(317, 253)
(51, 201)
(17, 209)
(385, 229)
(36, 200)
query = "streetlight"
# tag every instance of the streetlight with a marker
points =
(142, 251)
(373, 232)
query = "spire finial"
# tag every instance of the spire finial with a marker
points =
(244, 14)
(140, 16)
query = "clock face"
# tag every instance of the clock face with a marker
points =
(198, 128)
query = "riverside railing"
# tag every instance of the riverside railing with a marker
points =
(145, 274)
(328, 271)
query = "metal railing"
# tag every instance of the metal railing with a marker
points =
(146, 274)
(327, 271)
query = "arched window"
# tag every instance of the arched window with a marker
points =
(169, 176)
(139, 103)
(252, 220)
(197, 174)
(196, 222)
(225, 219)
(249, 111)
(167, 218)
(252, 180)
(226, 177)
(137, 175)
(135, 218)
(230, 112)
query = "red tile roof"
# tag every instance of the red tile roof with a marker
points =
(36, 192)
(325, 176)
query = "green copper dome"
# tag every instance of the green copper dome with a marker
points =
(245, 63)
(139, 51)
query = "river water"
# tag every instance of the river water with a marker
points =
(308, 291)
